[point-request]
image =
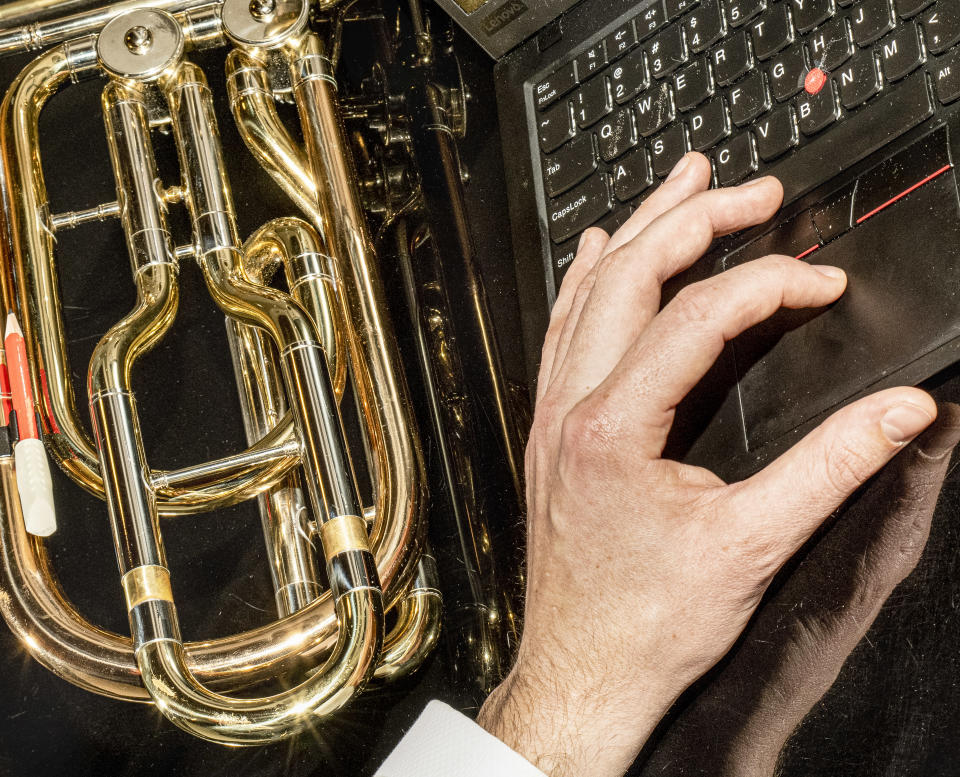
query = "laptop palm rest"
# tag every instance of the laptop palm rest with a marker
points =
(902, 305)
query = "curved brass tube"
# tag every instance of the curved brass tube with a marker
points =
(259, 721)
(251, 101)
(313, 280)
(417, 629)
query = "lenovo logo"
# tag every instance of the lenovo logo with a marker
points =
(502, 16)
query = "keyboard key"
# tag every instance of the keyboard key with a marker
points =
(859, 80)
(655, 109)
(946, 76)
(554, 127)
(871, 20)
(591, 62)
(817, 111)
(692, 85)
(830, 45)
(772, 32)
(650, 20)
(902, 52)
(551, 89)
(777, 133)
(563, 256)
(911, 7)
(833, 217)
(579, 208)
(570, 165)
(739, 12)
(620, 41)
(631, 175)
(749, 99)
(628, 78)
(667, 148)
(704, 26)
(735, 159)
(666, 52)
(941, 26)
(592, 103)
(616, 135)
(677, 7)
(709, 125)
(787, 73)
(808, 14)
(793, 238)
(859, 135)
(732, 58)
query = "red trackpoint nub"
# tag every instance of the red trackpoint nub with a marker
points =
(814, 81)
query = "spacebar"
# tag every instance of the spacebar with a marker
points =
(855, 139)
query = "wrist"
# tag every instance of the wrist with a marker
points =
(570, 722)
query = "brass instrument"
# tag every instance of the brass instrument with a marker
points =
(295, 353)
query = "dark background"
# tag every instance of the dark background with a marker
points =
(893, 711)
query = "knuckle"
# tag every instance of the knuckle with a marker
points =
(846, 467)
(587, 434)
(696, 303)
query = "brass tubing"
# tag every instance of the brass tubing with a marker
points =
(153, 620)
(251, 101)
(312, 277)
(327, 467)
(40, 34)
(378, 377)
(294, 245)
(26, 209)
(35, 608)
(260, 721)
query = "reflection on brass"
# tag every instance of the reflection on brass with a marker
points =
(144, 583)
(294, 353)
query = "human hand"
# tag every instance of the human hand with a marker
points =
(794, 648)
(642, 572)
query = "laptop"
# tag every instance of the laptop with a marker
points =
(852, 104)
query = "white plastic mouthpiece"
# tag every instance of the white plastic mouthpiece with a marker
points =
(35, 487)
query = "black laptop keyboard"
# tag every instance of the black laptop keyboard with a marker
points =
(757, 85)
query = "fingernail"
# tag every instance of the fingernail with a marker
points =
(679, 167)
(904, 422)
(830, 271)
(583, 236)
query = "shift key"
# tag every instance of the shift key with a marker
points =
(579, 208)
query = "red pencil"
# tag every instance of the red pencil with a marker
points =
(30, 457)
(20, 385)
(6, 397)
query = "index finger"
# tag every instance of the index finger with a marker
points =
(684, 340)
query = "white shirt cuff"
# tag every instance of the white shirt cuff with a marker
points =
(444, 743)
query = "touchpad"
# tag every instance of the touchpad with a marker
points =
(902, 303)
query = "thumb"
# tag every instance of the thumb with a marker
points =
(783, 504)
